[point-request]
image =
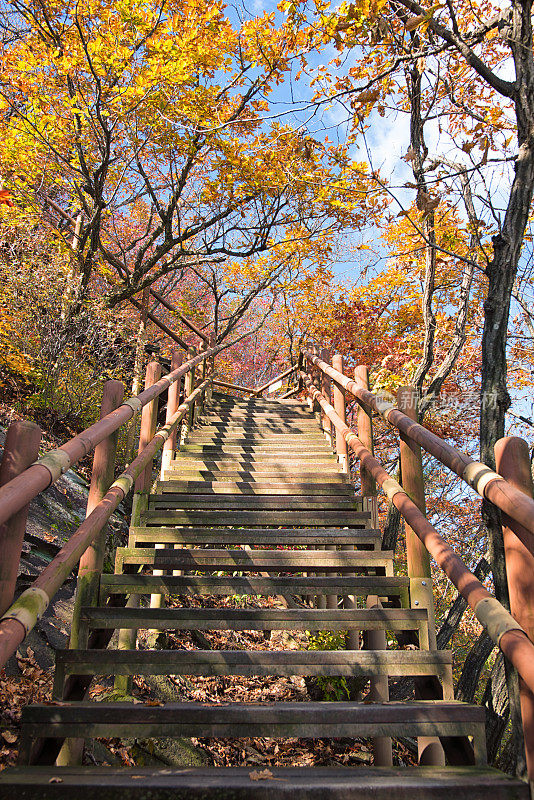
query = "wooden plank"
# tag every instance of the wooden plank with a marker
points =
(244, 518)
(359, 586)
(262, 449)
(258, 436)
(235, 783)
(254, 502)
(324, 663)
(244, 473)
(255, 488)
(254, 476)
(289, 619)
(293, 457)
(255, 560)
(346, 712)
(287, 536)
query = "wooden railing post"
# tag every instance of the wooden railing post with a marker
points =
(102, 475)
(189, 385)
(378, 690)
(325, 385)
(199, 404)
(210, 369)
(173, 401)
(364, 423)
(418, 559)
(316, 378)
(326, 391)
(340, 409)
(21, 449)
(92, 561)
(128, 637)
(513, 463)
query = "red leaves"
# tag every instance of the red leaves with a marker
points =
(5, 198)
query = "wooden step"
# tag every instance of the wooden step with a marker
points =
(251, 474)
(305, 720)
(325, 663)
(254, 414)
(241, 586)
(264, 488)
(254, 536)
(220, 427)
(254, 501)
(287, 467)
(241, 783)
(257, 476)
(243, 435)
(238, 559)
(283, 449)
(294, 457)
(353, 519)
(260, 619)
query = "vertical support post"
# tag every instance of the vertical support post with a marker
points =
(138, 370)
(128, 638)
(316, 379)
(102, 475)
(199, 405)
(379, 690)
(513, 463)
(308, 368)
(418, 559)
(21, 449)
(326, 390)
(189, 385)
(173, 401)
(210, 369)
(365, 434)
(326, 425)
(340, 409)
(92, 561)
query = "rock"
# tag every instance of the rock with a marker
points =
(170, 752)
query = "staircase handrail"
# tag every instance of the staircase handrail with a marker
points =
(481, 478)
(22, 616)
(19, 491)
(501, 627)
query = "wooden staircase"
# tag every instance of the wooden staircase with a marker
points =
(255, 476)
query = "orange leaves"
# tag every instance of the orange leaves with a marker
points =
(5, 198)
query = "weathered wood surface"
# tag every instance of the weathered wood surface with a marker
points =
(254, 502)
(275, 488)
(236, 783)
(395, 619)
(356, 519)
(359, 537)
(360, 586)
(254, 475)
(326, 663)
(253, 560)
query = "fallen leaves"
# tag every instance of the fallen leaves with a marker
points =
(261, 775)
